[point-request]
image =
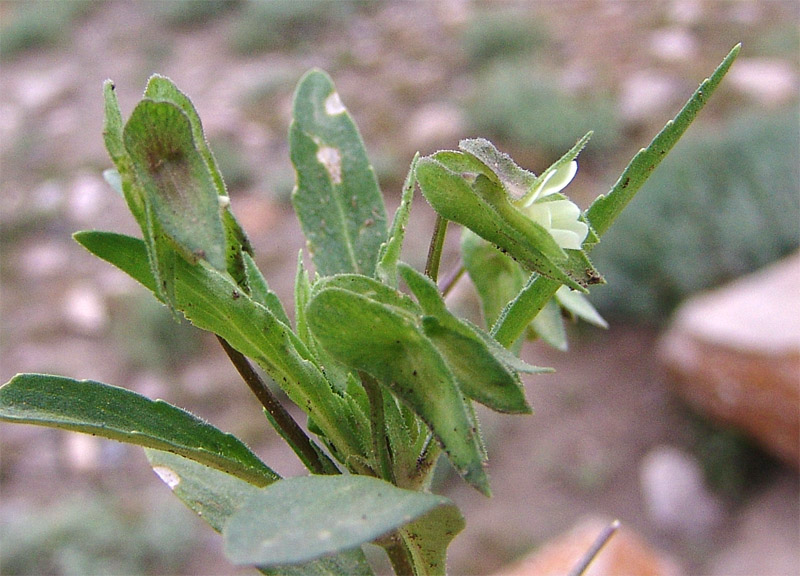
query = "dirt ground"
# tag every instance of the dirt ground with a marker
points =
(403, 69)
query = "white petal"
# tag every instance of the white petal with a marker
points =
(559, 179)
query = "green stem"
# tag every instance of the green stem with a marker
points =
(313, 458)
(453, 279)
(435, 249)
(378, 424)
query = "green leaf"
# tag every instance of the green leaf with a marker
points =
(336, 196)
(176, 180)
(300, 519)
(119, 414)
(389, 253)
(213, 302)
(216, 496)
(113, 126)
(479, 374)
(382, 338)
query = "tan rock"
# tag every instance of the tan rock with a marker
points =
(625, 553)
(734, 354)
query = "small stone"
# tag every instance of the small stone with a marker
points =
(675, 44)
(734, 355)
(644, 94)
(85, 309)
(767, 80)
(435, 125)
(675, 494)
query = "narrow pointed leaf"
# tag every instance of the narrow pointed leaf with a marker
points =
(215, 496)
(119, 414)
(336, 196)
(301, 519)
(605, 209)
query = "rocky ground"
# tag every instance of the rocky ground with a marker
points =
(409, 73)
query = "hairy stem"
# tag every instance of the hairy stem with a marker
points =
(313, 458)
(452, 279)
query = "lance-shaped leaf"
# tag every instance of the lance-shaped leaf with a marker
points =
(336, 196)
(176, 181)
(384, 340)
(119, 414)
(215, 496)
(479, 374)
(213, 301)
(300, 519)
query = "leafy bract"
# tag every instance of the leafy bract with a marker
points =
(480, 375)
(215, 496)
(389, 254)
(103, 410)
(301, 519)
(336, 195)
(370, 327)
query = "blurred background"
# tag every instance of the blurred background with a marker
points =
(417, 76)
